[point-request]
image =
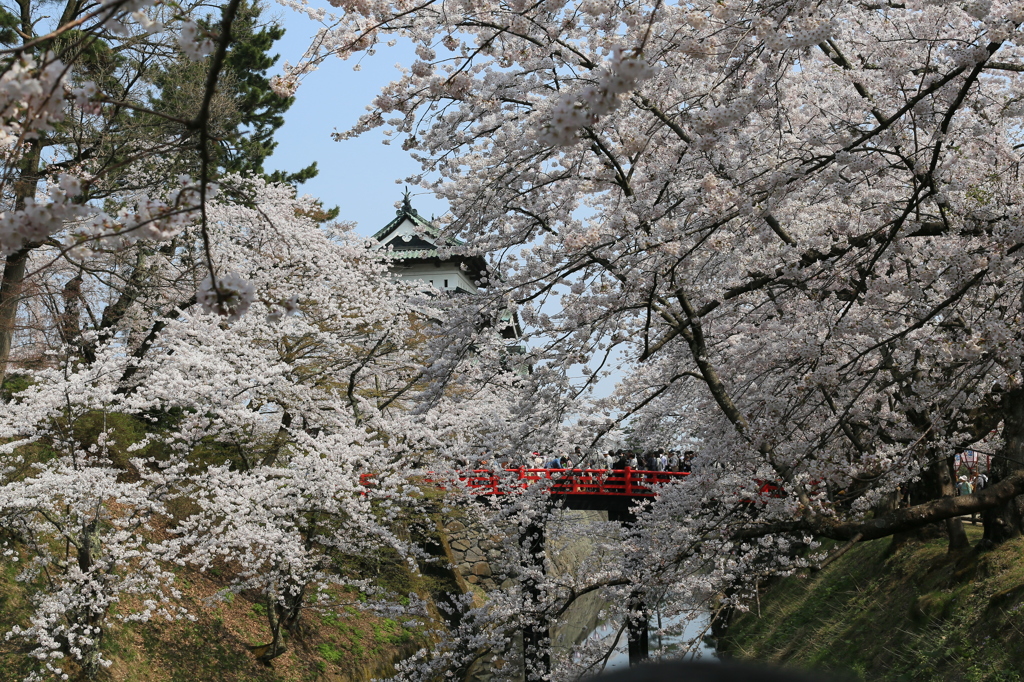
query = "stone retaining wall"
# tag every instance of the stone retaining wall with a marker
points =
(473, 549)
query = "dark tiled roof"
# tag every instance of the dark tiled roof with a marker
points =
(422, 246)
(410, 213)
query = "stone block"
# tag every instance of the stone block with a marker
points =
(482, 568)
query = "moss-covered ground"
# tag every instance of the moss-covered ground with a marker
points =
(344, 643)
(917, 614)
(225, 632)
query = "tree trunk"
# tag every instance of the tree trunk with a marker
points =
(1006, 521)
(638, 629)
(536, 636)
(936, 482)
(954, 526)
(15, 266)
(90, 618)
(70, 330)
(10, 296)
(268, 652)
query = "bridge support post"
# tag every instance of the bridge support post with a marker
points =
(536, 635)
(637, 629)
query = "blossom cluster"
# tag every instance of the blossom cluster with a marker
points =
(230, 298)
(574, 111)
(284, 86)
(31, 97)
(191, 41)
(150, 219)
(727, 115)
(807, 35)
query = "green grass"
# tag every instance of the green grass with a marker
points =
(330, 653)
(918, 614)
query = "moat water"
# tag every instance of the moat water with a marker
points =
(585, 621)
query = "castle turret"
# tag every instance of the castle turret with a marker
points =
(414, 240)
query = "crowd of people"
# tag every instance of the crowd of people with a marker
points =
(968, 485)
(659, 459)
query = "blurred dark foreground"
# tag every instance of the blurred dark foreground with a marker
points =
(713, 671)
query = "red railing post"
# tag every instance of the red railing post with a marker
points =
(628, 489)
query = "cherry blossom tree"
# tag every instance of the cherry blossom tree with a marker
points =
(273, 427)
(791, 230)
(797, 220)
(96, 116)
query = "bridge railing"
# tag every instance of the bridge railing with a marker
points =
(626, 482)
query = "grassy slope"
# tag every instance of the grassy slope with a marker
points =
(344, 644)
(917, 614)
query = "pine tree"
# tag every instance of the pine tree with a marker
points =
(246, 113)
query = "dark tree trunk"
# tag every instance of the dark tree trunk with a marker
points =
(638, 629)
(15, 266)
(954, 526)
(10, 297)
(70, 330)
(268, 652)
(1006, 521)
(536, 635)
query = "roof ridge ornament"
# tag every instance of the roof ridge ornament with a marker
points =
(407, 204)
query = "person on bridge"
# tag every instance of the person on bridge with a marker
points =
(687, 464)
(653, 460)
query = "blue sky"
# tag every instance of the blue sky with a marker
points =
(357, 175)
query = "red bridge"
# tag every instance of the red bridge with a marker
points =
(620, 482)
(611, 490)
